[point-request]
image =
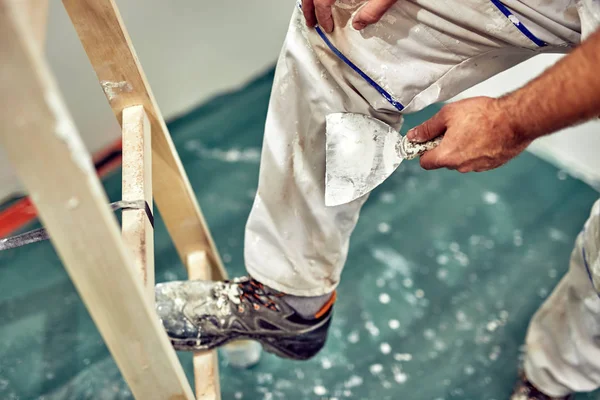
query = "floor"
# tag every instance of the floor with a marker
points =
(426, 311)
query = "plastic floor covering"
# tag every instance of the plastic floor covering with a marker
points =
(429, 309)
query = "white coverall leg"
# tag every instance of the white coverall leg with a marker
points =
(420, 53)
(563, 340)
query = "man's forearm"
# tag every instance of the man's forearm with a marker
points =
(566, 94)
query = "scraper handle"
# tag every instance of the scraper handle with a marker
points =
(413, 150)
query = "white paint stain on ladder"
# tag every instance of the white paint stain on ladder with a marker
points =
(114, 89)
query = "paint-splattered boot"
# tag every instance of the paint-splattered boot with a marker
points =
(524, 390)
(203, 315)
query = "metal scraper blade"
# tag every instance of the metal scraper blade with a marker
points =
(361, 152)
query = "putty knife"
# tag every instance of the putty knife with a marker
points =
(361, 153)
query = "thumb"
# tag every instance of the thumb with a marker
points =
(430, 129)
(437, 158)
(371, 12)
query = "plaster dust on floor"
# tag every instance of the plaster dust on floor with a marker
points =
(444, 272)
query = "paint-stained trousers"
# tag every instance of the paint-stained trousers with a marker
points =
(421, 52)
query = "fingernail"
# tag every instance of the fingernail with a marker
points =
(358, 25)
(412, 134)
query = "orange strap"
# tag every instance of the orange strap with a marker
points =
(327, 305)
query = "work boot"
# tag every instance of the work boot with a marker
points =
(203, 315)
(524, 390)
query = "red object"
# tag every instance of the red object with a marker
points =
(23, 212)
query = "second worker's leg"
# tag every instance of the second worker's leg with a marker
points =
(563, 352)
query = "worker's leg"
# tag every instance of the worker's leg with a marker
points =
(294, 243)
(563, 341)
(295, 246)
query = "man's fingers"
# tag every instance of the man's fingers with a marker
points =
(430, 129)
(433, 159)
(323, 13)
(371, 13)
(308, 9)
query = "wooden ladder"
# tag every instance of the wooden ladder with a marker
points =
(112, 268)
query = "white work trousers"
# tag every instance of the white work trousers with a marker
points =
(420, 53)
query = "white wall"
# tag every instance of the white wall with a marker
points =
(574, 149)
(190, 50)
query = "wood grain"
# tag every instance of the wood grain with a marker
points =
(41, 141)
(138, 233)
(206, 364)
(111, 53)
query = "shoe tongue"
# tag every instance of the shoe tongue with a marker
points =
(312, 307)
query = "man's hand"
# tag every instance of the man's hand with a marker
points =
(478, 136)
(484, 133)
(319, 12)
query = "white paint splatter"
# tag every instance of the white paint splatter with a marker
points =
(170, 276)
(439, 345)
(388, 197)
(320, 390)
(66, 131)
(376, 369)
(474, 240)
(233, 155)
(399, 376)
(383, 227)
(462, 258)
(561, 175)
(353, 337)
(392, 259)
(354, 381)
(469, 370)
(264, 378)
(114, 89)
(326, 363)
(495, 353)
(394, 324)
(442, 274)
(408, 283)
(490, 197)
(442, 259)
(373, 330)
(384, 298)
(385, 348)
(402, 357)
(492, 326)
(419, 294)
(557, 235)
(514, 19)
(73, 203)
